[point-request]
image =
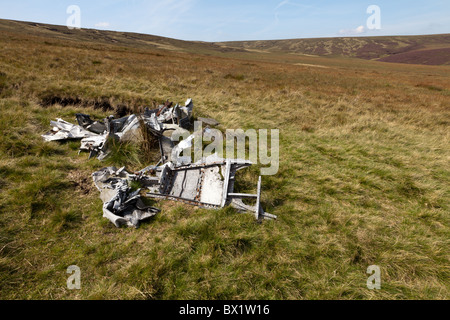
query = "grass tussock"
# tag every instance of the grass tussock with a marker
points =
(363, 177)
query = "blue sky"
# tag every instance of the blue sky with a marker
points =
(241, 20)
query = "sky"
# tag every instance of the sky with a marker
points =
(216, 20)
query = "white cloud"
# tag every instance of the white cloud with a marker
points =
(358, 30)
(102, 24)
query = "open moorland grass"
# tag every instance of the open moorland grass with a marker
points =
(363, 180)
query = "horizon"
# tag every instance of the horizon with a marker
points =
(245, 40)
(196, 20)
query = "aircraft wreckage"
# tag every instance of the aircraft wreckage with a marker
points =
(207, 183)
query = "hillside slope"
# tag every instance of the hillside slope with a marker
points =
(427, 49)
(401, 49)
(121, 39)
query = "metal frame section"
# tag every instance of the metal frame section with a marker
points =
(207, 185)
(179, 199)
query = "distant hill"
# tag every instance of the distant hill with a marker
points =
(125, 39)
(427, 49)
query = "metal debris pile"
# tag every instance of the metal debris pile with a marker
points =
(95, 134)
(208, 183)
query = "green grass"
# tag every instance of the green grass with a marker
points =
(363, 178)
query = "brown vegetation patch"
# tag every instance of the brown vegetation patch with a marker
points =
(429, 87)
(433, 57)
(81, 181)
(51, 100)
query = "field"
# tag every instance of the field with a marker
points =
(364, 173)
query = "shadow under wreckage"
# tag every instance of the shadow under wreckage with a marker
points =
(207, 183)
